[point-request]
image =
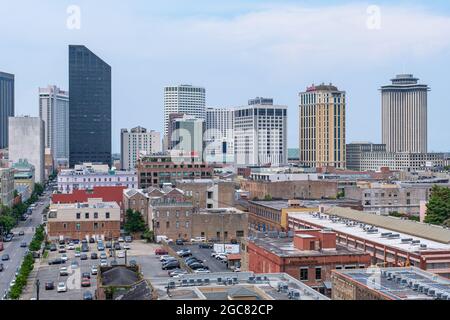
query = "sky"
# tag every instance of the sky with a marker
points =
(237, 50)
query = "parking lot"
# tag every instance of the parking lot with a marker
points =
(213, 264)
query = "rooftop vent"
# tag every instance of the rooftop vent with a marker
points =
(406, 240)
(386, 234)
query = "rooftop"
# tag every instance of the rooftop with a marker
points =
(119, 276)
(401, 283)
(226, 285)
(283, 204)
(284, 247)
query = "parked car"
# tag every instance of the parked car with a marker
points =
(85, 282)
(56, 261)
(91, 240)
(160, 251)
(71, 246)
(179, 242)
(87, 295)
(121, 239)
(64, 257)
(63, 272)
(201, 271)
(21, 233)
(176, 272)
(50, 285)
(126, 246)
(62, 249)
(171, 265)
(108, 245)
(197, 265)
(53, 247)
(23, 245)
(185, 253)
(103, 263)
(94, 270)
(83, 257)
(198, 239)
(117, 246)
(77, 254)
(128, 239)
(74, 264)
(190, 259)
(205, 245)
(121, 254)
(62, 287)
(167, 259)
(5, 257)
(100, 248)
(86, 275)
(103, 255)
(94, 256)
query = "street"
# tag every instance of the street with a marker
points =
(16, 253)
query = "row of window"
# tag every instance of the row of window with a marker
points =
(87, 215)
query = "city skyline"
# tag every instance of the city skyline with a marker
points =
(293, 65)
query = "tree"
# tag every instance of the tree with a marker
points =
(6, 223)
(148, 235)
(438, 207)
(134, 222)
(268, 197)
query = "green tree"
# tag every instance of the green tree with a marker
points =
(6, 223)
(268, 197)
(438, 207)
(134, 222)
(148, 235)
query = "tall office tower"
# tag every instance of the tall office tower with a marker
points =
(322, 126)
(404, 115)
(6, 105)
(138, 141)
(187, 135)
(89, 107)
(27, 141)
(185, 99)
(219, 135)
(260, 134)
(54, 111)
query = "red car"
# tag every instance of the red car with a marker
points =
(161, 252)
(85, 282)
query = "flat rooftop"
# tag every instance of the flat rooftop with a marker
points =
(284, 247)
(283, 204)
(401, 283)
(358, 231)
(212, 287)
(97, 205)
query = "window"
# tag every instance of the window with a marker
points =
(157, 214)
(78, 227)
(78, 216)
(303, 274)
(318, 273)
(218, 234)
(187, 224)
(239, 233)
(178, 214)
(187, 213)
(64, 225)
(177, 225)
(167, 224)
(107, 215)
(225, 234)
(95, 215)
(95, 226)
(157, 224)
(86, 215)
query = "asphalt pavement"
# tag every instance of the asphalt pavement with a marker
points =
(16, 253)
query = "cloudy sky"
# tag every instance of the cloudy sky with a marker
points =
(236, 50)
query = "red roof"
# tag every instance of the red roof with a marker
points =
(108, 194)
(234, 256)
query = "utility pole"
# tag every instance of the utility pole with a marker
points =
(37, 288)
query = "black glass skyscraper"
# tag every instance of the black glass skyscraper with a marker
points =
(6, 105)
(89, 107)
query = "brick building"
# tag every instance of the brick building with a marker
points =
(208, 193)
(301, 189)
(91, 219)
(155, 170)
(309, 256)
(107, 194)
(137, 200)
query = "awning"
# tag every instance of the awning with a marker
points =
(234, 256)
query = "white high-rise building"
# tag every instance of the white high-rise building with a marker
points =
(186, 99)
(260, 134)
(54, 111)
(219, 135)
(404, 115)
(27, 141)
(138, 141)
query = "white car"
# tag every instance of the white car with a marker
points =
(62, 287)
(71, 246)
(165, 257)
(13, 282)
(103, 263)
(221, 256)
(214, 254)
(94, 270)
(198, 239)
(121, 254)
(121, 239)
(64, 257)
(77, 254)
(126, 246)
(63, 271)
(202, 271)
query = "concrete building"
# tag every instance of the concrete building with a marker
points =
(187, 99)
(322, 126)
(24, 174)
(404, 115)
(391, 242)
(386, 198)
(208, 193)
(309, 256)
(157, 169)
(27, 141)
(355, 150)
(54, 111)
(260, 134)
(6, 106)
(219, 135)
(389, 284)
(91, 219)
(136, 142)
(88, 176)
(187, 135)
(89, 107)
(241, 286)
(6, 187)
